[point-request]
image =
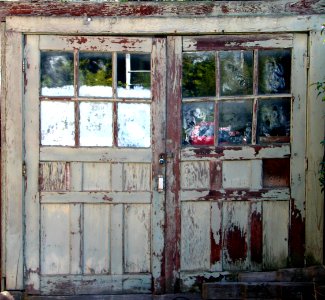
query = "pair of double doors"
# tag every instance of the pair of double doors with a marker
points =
(96, 153)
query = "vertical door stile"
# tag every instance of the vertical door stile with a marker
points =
(298, 144)
(31, 117)
(13, 149)
(173, 131)
(158, 145)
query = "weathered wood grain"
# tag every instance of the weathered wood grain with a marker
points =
(275, 234)
(195, 241)
(55, 237)
(137, 239)
(315, 152)
(54, 176)
(96, 239)
(195, 175)
(13, 150)
(96, 177)
(32, 215)
(136, 177)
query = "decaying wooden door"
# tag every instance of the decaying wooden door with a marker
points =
(94, 114)
(240, 196)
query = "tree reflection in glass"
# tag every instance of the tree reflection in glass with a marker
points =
(199, 75)
(57, 74)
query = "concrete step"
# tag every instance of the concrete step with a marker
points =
(259, 290)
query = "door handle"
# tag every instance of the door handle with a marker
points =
(161, 183)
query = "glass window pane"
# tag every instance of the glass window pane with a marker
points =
(95, 75)
(235, 122)
(273, 121)
(57, 74)
(198, 123)
(133, 76)
(236, 73)
(199, 75)
(274, 71)
(134, 125)
(96, 124)
(57, 123)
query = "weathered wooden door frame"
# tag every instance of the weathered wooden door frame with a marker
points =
(12, 122)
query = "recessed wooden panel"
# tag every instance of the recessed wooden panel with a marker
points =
(276, 172)
(55, 233)
(137, 238)
(235, 235)
(195, 240)
(54, 176)
(275, 234)
(96, 176)
(236, 174)
(96, 238)
(136, 177)
(195, 175)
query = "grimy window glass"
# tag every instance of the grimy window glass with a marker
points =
(236, 97)
(81, 95)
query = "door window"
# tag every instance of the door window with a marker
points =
(236, 97)
(84, 96)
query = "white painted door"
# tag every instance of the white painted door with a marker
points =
(94, 114)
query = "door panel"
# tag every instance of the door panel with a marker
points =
(238, 159)
(92, 164)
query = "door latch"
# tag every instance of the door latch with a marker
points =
(161, 184)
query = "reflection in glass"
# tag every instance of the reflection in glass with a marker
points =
(133, 76)
(235, 122)
(198, 123)
(236, 73)
(199, 75)
(133, 122)
(95, 124)
(95, 75)
(274, 71)
(57, 74)
(57, 123)
(273, 121)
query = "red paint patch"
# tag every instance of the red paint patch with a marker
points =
(297, 237)
(79, 40)
(225, 9)
(215, 248)
(236, 244)
(256, 237)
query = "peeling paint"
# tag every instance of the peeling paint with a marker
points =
(236, 244)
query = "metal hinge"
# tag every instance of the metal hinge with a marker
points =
(24, 169)
(23, 66)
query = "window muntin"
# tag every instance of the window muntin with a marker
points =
(81, 95)
(247, 85)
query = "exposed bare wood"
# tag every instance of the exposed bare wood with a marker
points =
(54, 176)
(195, 175)
(315, 151)
(13, 155)
(95, 154)
(97, 197)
